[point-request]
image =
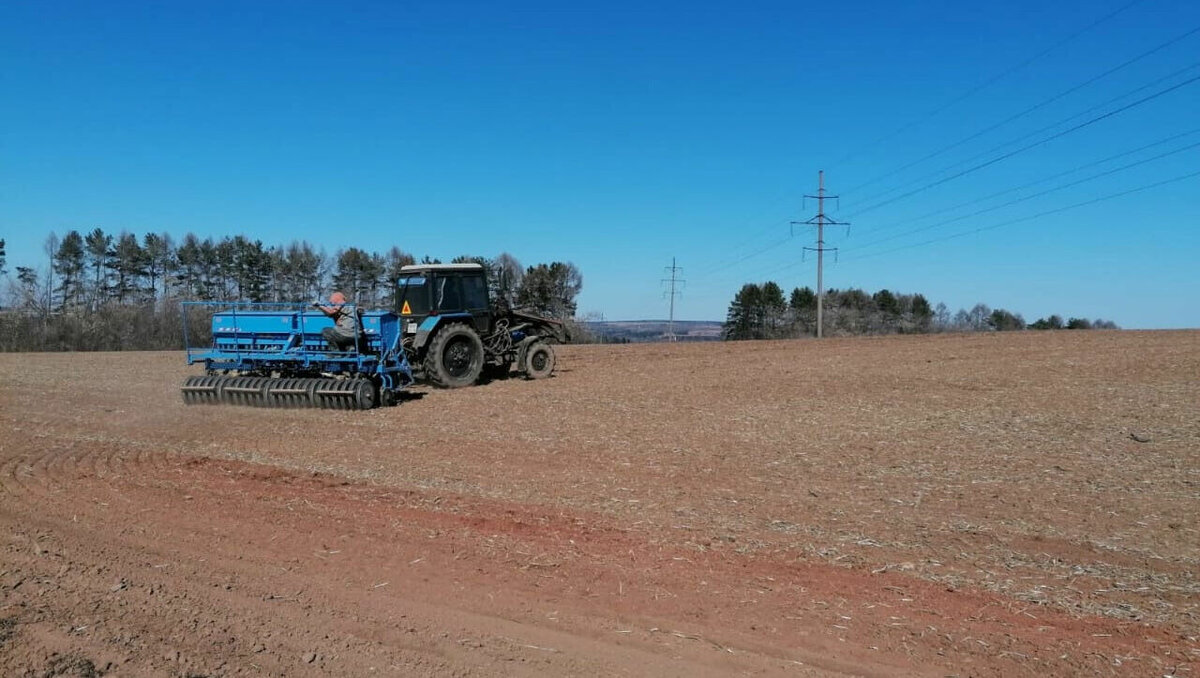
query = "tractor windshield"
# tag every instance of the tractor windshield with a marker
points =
(412, 295)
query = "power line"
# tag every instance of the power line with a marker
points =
(773, 246)
(1042, 104)
(1035, 144)
(1038, 131)
(727, 264)
(1011, 222)
(785, 267)
(1031, 217)
(1035, 107)
(987, 83)
(1039, 194)
(722, 264)
(1073, 170)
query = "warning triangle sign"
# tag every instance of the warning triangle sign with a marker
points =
(406, 310)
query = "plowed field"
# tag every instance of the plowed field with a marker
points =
(1022, 504)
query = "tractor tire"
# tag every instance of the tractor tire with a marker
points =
(455, 357)
(537, 360)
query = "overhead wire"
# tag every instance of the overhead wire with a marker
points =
(1027, 147)
(1031, 217)
(788, 266)
(765, 274)
(1035, 182)
(1040, 130)
(727, 271)
(984, 85)
(1031, 196)
(993, 208)
(746, 257)
(1031, 109)
(776, 244)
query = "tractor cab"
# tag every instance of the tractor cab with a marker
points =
(426, 292)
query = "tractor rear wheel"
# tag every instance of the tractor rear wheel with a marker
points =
(455, 357)
(538, 360)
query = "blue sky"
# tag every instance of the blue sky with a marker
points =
(619, 135)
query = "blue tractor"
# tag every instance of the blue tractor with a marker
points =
(444, 330)
(454, 334)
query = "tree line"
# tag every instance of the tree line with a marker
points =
(762, 311)
(101, 291)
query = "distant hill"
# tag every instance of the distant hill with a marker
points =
(655, 330)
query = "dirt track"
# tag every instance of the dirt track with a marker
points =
(950, 505)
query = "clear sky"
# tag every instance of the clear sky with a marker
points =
(619, 135)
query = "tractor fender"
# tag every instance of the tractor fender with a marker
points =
(522, 347)
(430, 325)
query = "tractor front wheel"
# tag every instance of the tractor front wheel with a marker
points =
(455, 357)
(538, 360)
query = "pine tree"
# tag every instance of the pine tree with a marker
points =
(128, 264)
(1005, 321)
(251, 269)
(358, 275)
(773, 308)
(551, 289)
(69, 264)
(744, 320)
(97, 247)
(302, 272)
(190, 265)
(159, 261)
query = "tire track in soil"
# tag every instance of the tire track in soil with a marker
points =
(330, 499)
(51, 470)
(423, 647)
(199, 637)
(43, 471)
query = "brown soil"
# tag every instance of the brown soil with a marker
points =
(948, 505)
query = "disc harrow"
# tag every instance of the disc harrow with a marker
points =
(332, 394)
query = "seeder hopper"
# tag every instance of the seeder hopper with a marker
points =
(273, 355)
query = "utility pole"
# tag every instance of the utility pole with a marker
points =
(672, 292)
(821, 221)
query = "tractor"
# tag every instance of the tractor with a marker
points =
(444, 330)
(454, 335)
